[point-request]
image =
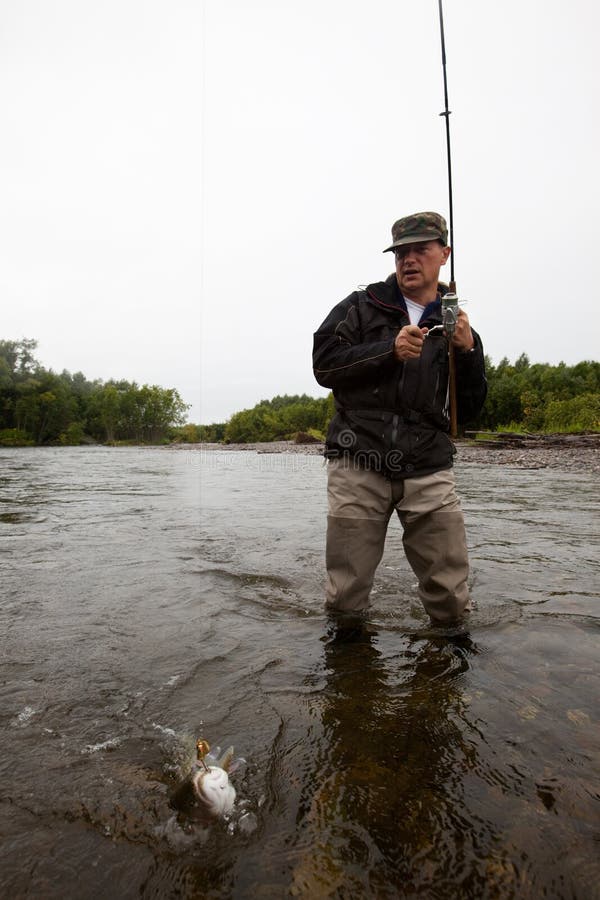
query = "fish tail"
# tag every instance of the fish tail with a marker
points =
(225, 760)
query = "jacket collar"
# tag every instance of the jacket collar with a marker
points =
(387, 295)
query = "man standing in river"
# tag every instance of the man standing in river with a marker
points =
(380, 352)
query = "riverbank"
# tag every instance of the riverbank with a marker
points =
(552, 453)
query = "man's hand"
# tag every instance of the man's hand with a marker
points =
(463, 337)
(409, 342)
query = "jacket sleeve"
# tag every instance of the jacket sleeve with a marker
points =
(340, 353)
(471, 383)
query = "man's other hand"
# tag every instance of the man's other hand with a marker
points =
(409, 342)
(463, 336)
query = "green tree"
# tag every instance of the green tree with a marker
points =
(520, 395)
(161, 409)
(17, 366)
(108, 405)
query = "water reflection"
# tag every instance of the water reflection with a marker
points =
(383, 806)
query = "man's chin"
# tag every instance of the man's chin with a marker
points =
(411, 284)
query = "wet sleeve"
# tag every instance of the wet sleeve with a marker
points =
(340, 353)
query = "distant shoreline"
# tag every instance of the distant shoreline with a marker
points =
(559, 456)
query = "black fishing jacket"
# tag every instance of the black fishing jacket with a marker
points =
(392, 416)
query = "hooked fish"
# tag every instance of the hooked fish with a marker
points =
(210, 781)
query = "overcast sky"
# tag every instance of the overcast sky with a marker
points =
(187, 188)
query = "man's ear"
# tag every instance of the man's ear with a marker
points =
(446, 254)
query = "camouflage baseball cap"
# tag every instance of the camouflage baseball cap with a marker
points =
(424, 226)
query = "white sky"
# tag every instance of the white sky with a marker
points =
(187, 188)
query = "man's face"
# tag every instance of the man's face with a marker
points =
(418, 268)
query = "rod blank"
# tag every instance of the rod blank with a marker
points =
(446, 114)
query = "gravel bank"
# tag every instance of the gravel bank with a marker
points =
(579, 459)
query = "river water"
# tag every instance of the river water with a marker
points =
(153, 596)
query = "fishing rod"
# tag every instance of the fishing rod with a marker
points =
(446, 114)
(450, 299)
